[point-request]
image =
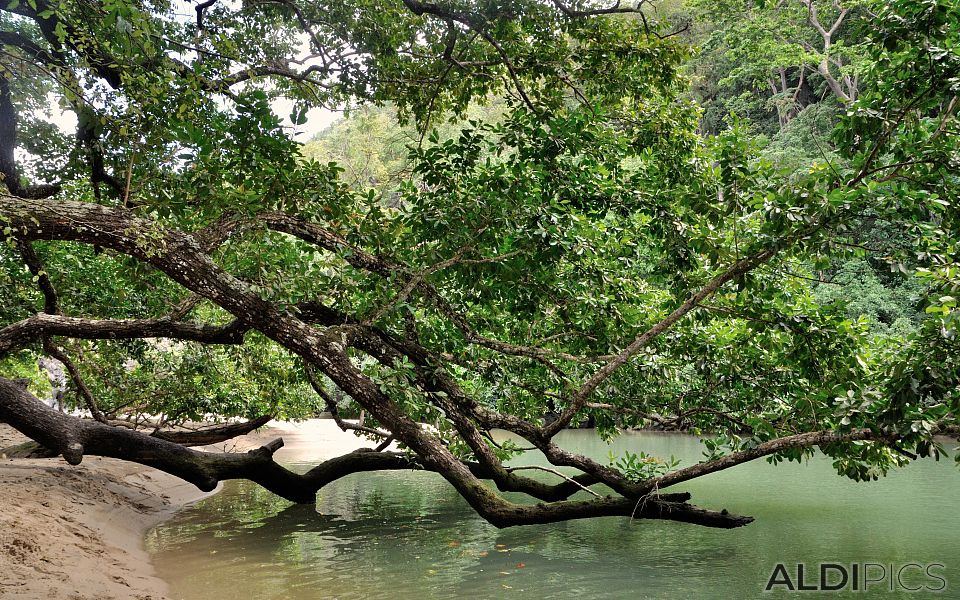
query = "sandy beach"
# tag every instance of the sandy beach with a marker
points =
(76, 533)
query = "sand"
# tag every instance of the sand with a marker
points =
(76, 533)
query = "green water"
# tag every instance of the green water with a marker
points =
(406, 535)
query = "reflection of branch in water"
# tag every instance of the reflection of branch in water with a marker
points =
(356, 506)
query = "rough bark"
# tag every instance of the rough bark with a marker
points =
(199, 437)
(27, 331)
(74, 438)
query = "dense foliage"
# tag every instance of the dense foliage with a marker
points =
(539, 214)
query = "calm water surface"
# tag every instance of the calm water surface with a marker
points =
(402, 535)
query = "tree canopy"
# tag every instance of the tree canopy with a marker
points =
(590, 246)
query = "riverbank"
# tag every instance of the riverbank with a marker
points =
(76, 533)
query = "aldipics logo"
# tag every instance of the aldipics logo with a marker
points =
(858, 577)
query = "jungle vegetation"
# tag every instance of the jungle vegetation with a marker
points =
(735, 218)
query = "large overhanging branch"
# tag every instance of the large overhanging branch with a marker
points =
(802, 440)
(453, 401)
(387, 349)
(180, 257)
(75, 438)
(205, 278)
(360, 259)
(215, 434)
(444, 393)
(372, 340)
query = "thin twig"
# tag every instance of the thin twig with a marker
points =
(555, 472)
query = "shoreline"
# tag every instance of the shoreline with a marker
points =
(77, 533)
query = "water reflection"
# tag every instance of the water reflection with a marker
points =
(409, 535)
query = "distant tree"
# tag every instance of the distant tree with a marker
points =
(370, 146)
(373, 148)
(781, 57)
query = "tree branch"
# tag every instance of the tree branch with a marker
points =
(74, 438)
(55, 352)
(211, 435)
(739, 268)
(802, 440)
(22, 333)
(8, 145)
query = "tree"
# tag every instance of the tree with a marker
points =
(372, 147)
(587, 254)
(783, 56)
